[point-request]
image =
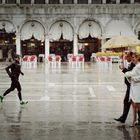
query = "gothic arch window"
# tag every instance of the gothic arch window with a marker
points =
(89, 28)
(25, 1)
(10, 1)
(136, 1)
(39, 1)
(96, 1)
(125, 1)
(61, 30)
(68, 1)
(53, 1)
(32, 28)
(82, 1)
(111, 1)
(122, 27)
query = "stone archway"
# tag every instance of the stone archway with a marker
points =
(32, 38)
(122, 28)
(89, 35)
(7, 40)
(61, 39)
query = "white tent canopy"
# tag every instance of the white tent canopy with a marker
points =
(89, 28)
(9, 27)
(61, 28)
(117, 27)
(32, 28)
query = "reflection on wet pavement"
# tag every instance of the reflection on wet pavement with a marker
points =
(66, 104)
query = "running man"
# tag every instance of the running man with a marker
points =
(14, 71)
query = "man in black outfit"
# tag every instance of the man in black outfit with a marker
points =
(14, 70)
(127, 103)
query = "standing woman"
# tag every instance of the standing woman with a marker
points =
(134, 77)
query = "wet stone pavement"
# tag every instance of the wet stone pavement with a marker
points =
(66, 104)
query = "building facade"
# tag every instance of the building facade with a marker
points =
(65, 26)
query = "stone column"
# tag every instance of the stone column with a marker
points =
(18, 44)
(132, 1)
(89, 1)
(75, 44)
(46, 1)
(32, 1)
(18, 1)
(61, 1)
(47, 46)
(3, 1)
(104, 1)
(118, 1)
(102, 43)
(75, 1)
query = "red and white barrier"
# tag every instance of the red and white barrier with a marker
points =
(29, 61)
(76, 60)
(80, 61)
(25, 61)
(54, 60)
(57, 61)
(33, 61)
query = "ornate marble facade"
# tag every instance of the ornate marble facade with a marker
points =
(46, 22)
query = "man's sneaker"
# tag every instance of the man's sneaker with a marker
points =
(1, 99)
(23, 103)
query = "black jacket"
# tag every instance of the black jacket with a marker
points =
(14, 70)
(130, 67)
